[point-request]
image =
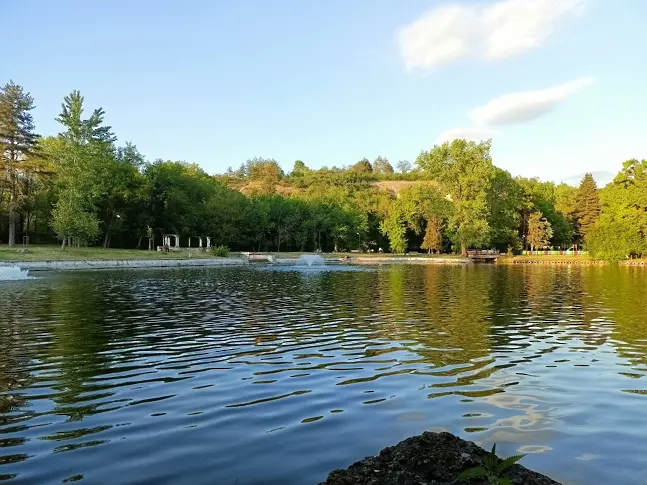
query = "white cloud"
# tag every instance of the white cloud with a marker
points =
(525, 105)
(502, 29)
(470, 134)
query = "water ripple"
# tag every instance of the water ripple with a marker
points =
(278, 376)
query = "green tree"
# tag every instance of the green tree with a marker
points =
(566, 207)
(121, 191)
(464, 169)
(265, 173)
(542, 197)
(394, 226)
(17, 144)
(299, 169)
(614, 240)
(411, 211)
(588, 205)
(540, 231)
(404, 166)
(621, 230)
(505, 197)
(72, 221)
(82, 131)
(363, 166)
(381, 166)
(84, 160)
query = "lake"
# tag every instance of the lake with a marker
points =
(265, 376)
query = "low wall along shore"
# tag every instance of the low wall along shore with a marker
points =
(236, 261)
(128, 263)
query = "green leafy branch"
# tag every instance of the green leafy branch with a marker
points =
(492, 470)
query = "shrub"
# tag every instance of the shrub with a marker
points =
(220, 251)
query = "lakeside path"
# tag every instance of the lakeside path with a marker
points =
(49, 257)
(127, 263)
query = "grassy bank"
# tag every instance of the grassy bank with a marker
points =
(551, 258)
(55, 253)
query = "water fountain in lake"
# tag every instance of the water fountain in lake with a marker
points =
(311, 260)
(13, 273)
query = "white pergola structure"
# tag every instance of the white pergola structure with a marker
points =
(200, 241)
(167, 241)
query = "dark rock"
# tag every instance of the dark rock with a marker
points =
(428, 459)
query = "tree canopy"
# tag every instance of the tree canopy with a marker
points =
(83, 187)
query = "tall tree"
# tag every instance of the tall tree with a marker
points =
(505, 197)
(82, 131)
(84, 175)
(539, 231)
(464, 169)
(588, 205)
(433, 240)
(17, 143)
(621, 230)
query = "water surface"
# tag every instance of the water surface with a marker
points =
(257, 376)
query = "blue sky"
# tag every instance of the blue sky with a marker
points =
(218, 82)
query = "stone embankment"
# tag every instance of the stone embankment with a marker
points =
(128, 263)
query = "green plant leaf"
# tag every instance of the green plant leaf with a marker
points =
(475, 472)
(504, 481)
(491, 461)
(507, 463)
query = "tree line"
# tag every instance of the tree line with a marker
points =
(82, 187)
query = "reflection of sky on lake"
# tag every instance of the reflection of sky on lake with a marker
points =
(195, 368)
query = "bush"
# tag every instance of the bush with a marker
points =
(220, 251)
(614, 240)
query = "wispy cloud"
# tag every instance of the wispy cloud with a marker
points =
(499, 30)
(471, 134)
(525, 105)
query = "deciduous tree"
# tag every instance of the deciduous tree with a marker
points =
(539, 231)
(433, 240)
(381, 166)
(464, 170)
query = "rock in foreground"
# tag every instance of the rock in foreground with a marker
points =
(428, 459)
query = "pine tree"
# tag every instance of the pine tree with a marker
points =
(433, 240)
(17, 143)
(82, 131)
(587, 210)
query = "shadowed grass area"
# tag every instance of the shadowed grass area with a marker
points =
(55, 253)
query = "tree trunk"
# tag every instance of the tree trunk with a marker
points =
(63, 243)
(463, 249)
(12, 220)
(106, 241)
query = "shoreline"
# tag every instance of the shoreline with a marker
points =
(122, 263)
(81, 264)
